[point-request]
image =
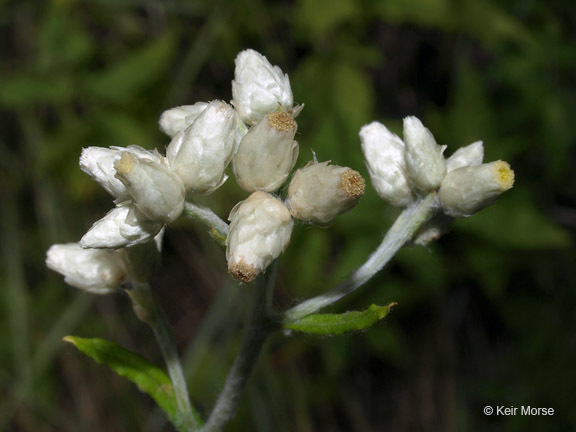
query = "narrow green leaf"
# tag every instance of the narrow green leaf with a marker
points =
(337, 324)
(148, 377)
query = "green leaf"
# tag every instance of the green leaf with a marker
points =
(337, 324)
(148, 377)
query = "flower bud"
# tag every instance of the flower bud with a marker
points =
(384, 156)
(94, 270)
(155, 190)
(258, 87)
(319, 192)
(123, 226)
(466, 190)
(471, 155)
(433, 229)
(425, 164)
(267, 153)
(200, 154)
(177, 119)
(260, 229)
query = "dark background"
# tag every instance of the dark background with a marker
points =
(485, 316)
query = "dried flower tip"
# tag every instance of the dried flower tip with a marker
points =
(319, 192)
(243, 272)
(282, 121)
(258, 87)
(260, 229)
(425, 164)
(353, 184)
(467, 190)
(267, 153)
(384, 157)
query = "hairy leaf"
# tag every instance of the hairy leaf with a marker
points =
(337, 324)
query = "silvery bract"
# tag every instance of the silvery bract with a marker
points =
(155, 189)
(98, 163)
(94, 270)
(384, 156)
(258, 87)
(470, 155)
(177, 119)
(425, 164)
(468, 189)
(122, 226)
(267, 153)
(200, 154)
(260, 229)
(319, 192)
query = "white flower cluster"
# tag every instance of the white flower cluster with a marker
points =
(404, 170)
(256, 135)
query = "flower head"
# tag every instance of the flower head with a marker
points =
(260, 229)
(384, 156)
(258, 87)
(94, 270)
(319, 192)
(201, 152)
(267, 153)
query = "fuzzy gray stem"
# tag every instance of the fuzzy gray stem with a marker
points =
(401, 232)
(149, 310)
(255, 335)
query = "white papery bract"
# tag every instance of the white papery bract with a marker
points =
(319, 192)
(384, 156)
(471, 155)
(260, 229)
(155, 189)
(94, 270)
(200, 154)
(258, 87)
(175, 120)
(425, 164)
(267, 153)
(98, 163)
(468, 189)
(122, 226)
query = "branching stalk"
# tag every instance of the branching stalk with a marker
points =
(149, 310)
(255, 335)
(217, 227)
(402, 231)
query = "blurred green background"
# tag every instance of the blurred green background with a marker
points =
(485, 316)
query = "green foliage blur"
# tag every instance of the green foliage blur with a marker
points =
(485, 315)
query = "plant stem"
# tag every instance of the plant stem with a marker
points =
(149, 310)
(255, 335)
(402, 231)
(218, 228)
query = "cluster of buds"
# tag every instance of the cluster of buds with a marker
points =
(402, 171)
(261, 226)
(255, 134)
